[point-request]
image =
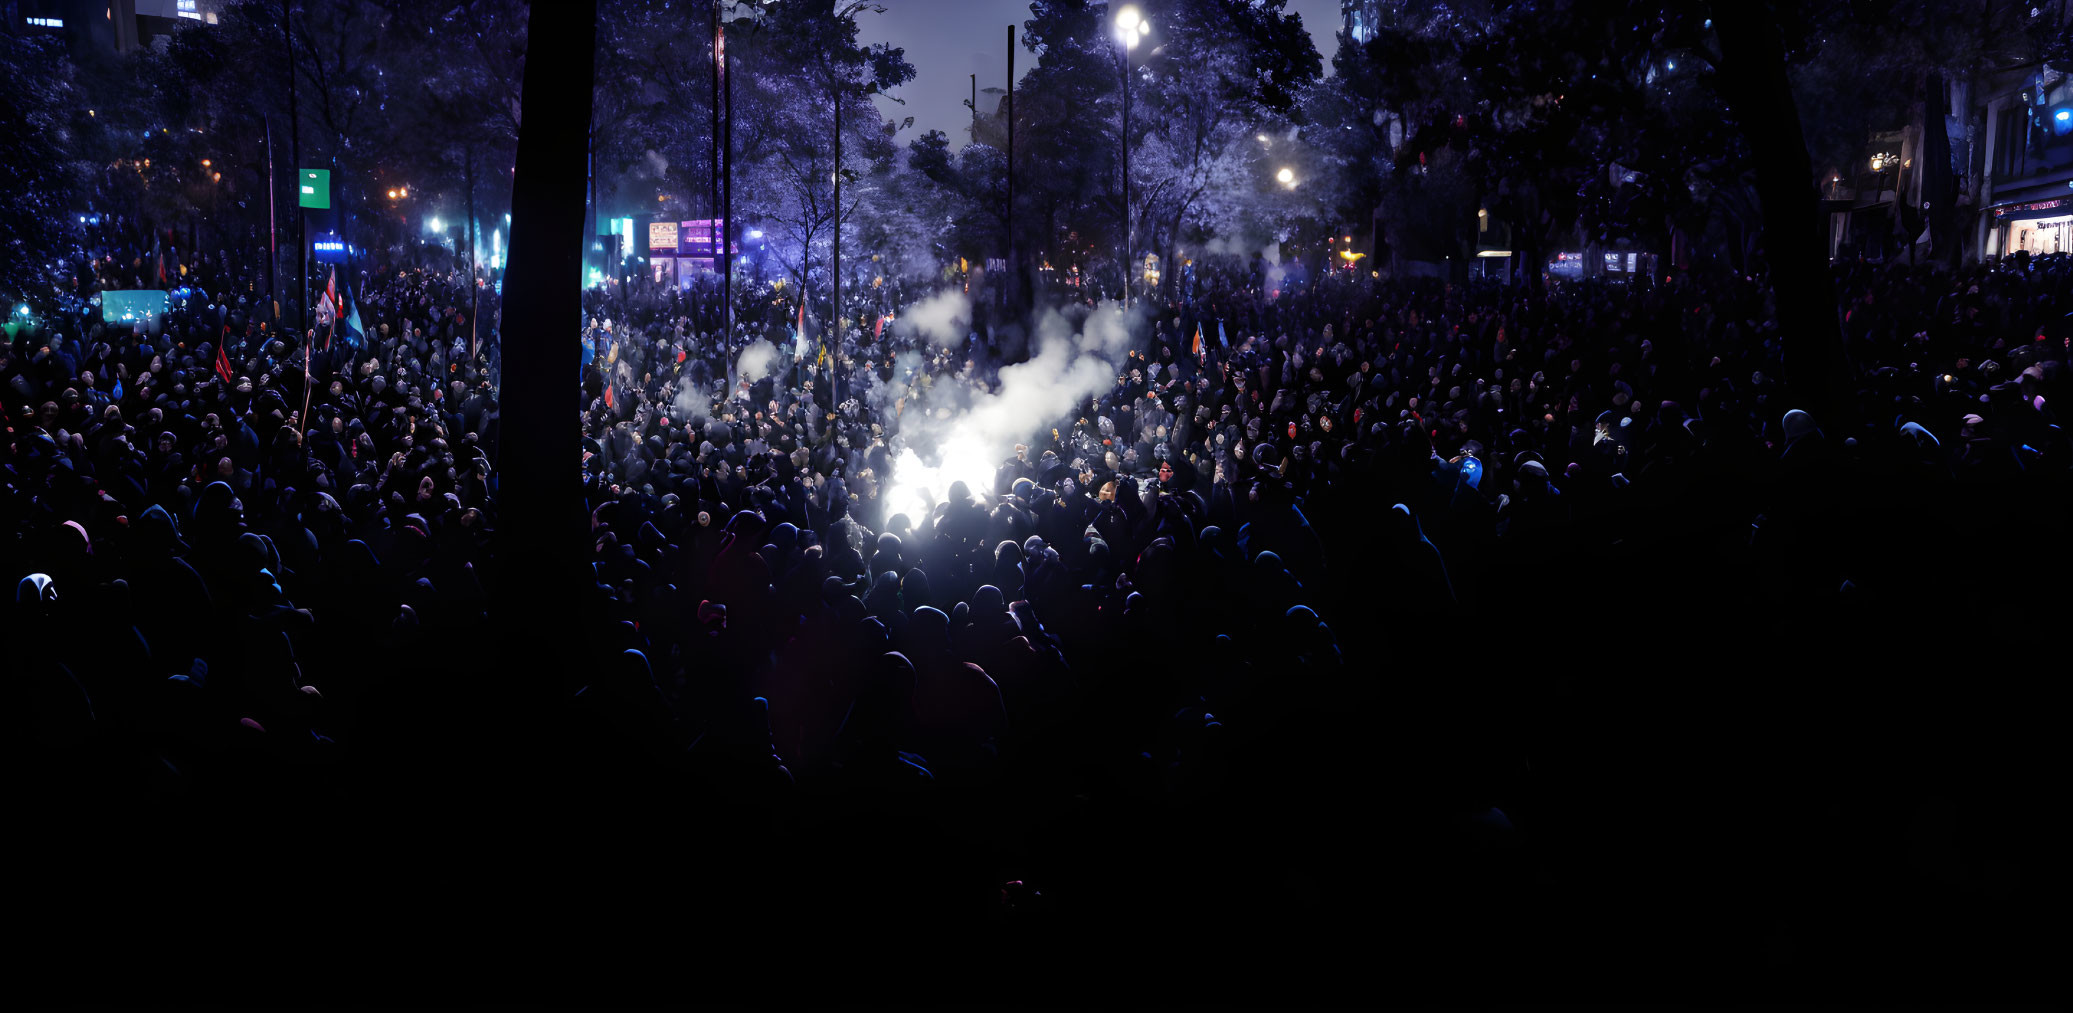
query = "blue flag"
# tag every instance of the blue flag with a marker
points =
(118, 390)
(1220, 339)
(350, 330)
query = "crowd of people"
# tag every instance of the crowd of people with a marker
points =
(205, 504)
(1242, 607)
(1196, 586)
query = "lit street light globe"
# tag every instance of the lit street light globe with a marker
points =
(1286, 176)
(1132, 27)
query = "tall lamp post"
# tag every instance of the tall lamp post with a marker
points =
(1130, 28)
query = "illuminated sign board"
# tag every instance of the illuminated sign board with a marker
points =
(313, 188)
(327, 248)
(2062, 206)
(662, 237)
(696, 238)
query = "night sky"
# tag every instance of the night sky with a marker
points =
(949, 40)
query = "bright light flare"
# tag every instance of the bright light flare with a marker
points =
(917, 487)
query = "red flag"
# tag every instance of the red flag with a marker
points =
(802, 317)
(337, 308)
(223, 364)
(608, 397)
(1198, 340)
(879, 331)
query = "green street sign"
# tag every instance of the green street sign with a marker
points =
(315, 188)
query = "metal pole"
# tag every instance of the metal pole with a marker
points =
(1008, 286)
(273, 231)
(295, 140)
(1129, 224)
(718, 55)
(975, 106)
(837, 261)
(474, 291)
(726, 195)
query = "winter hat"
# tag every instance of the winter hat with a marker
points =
(1796, 424)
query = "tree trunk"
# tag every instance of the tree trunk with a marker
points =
(1752, 78)
(541, 516)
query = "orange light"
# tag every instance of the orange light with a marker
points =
(206, 163)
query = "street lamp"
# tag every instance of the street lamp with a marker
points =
(1130, 29)
(1287, 177)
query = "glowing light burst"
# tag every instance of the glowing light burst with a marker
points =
(917, 486)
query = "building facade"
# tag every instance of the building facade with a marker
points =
(118, 26)
(2026, 186)
(1362, 17)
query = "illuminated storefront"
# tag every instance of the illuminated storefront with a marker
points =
(2040, 235)
(679, 252)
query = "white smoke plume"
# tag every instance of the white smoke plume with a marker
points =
(884, 395)
(1232, 246)
(969, 441)
(944, 318)
(693, 403)
(757, 361)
